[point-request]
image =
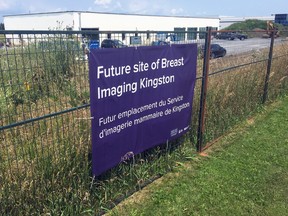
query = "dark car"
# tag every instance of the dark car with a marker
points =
(216, 51)
(231, 36)
(112, 43)
(240, 36)
(159, 42)
(225, 36)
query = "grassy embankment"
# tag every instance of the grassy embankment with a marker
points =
(245, 173)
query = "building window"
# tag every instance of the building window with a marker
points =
(180, 33)
(214, 31)
(148, 35)
(192, 33)
(92, 35)
(202, 32)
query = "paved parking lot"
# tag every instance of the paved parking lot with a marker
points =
(251, 44)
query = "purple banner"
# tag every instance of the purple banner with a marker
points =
(140, 98)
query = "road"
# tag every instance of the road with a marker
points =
(251, 44)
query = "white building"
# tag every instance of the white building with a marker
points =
(77, 20)
(94, 21)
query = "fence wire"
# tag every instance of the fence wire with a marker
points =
(45, 117)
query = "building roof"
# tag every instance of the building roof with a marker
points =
(61, 12)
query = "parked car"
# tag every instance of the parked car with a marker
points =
(225, 36)
(112, 43)
(231, 36)
(159, 42)
(216, 51)
(241, 36)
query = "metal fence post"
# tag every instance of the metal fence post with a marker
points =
(201, 118)
(267, 78)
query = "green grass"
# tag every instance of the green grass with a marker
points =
(246, 173)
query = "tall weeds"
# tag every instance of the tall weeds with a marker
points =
(45, 165)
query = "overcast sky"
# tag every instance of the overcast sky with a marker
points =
(152, 7)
